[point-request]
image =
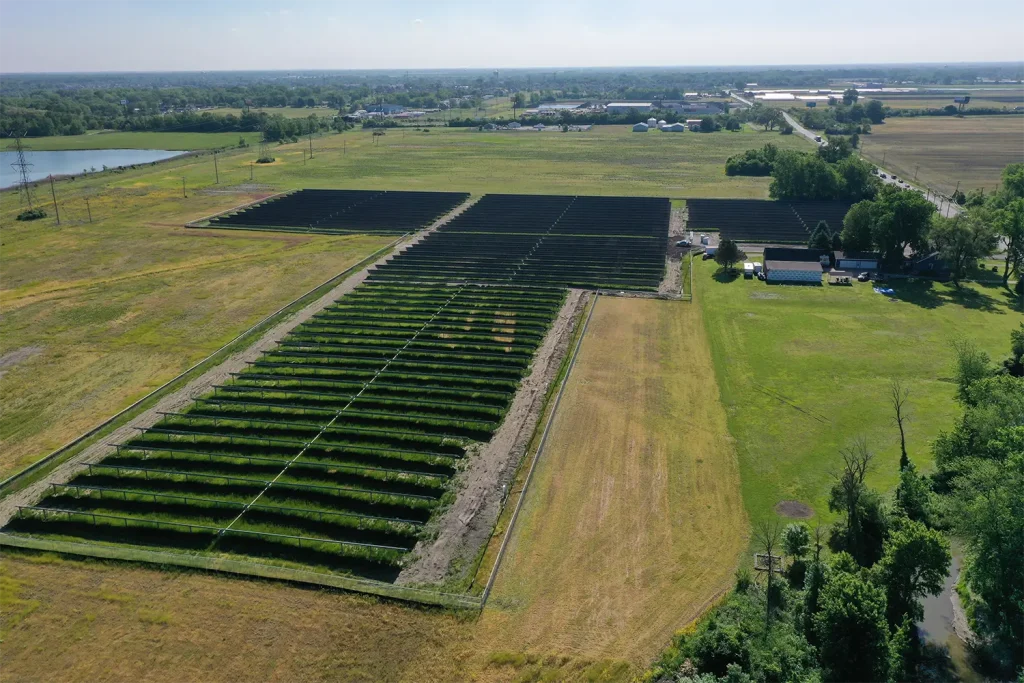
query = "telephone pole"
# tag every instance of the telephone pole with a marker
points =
(183, 195)
(216, 172)
(250, 171)
(310, 140)
(87, 209)
(53, 193)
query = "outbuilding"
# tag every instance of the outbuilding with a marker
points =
(857, 260)
(787, 264)
(792, 271)
(674, 127)
(640, 128)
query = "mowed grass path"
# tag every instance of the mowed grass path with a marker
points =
(805, 370)
(944, 150)
(633, 520)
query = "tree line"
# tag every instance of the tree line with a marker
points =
(841, 603)
(896, 219)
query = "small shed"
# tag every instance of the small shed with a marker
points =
(640, 128)
(674, 128)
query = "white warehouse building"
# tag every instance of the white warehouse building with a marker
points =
(624, 107)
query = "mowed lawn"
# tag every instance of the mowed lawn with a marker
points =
(944, 150)
(804, 371)
(633, 521)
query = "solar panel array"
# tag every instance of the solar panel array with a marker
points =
(565, 241)
(760, 220)
(338, 212)
(337, 447)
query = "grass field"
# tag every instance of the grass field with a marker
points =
(944, 150)
(143, 140)
(75, 621)
(638, 451)
(633, 519)
(98, 315)
(135, 281)
(804, 370)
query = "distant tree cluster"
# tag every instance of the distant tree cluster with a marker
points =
(802, 175)
(753, 162)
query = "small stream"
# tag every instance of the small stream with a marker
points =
(936, 629)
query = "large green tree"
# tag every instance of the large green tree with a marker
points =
(853, 639)
(963, 239)
(857, 227)
(915, 561)
(900, 219)
(1009, 224)
(987, 510)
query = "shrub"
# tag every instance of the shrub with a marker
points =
(31, 214)
(265, 160)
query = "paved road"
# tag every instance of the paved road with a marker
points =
(946, 207)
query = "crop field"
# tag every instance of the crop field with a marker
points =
(592, 242)
(979, 99)
(943, 151)
(804, 371)
(752, 220)
(341, 212)
(333, 449)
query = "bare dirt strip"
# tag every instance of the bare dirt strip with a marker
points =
(203, 384)
(466, 525)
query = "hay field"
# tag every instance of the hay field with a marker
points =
(71, 621)
(633, 520)
(944, 149)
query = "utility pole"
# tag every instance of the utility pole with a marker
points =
(250, 170)
(311, 141)
(915, 172)
(344, 147)
(883, 158)
(53, 193)
(88, 210)
(215, 171)
(183, 195)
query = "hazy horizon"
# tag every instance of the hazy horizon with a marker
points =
(104, 36)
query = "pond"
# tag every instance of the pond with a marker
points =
(73, 162)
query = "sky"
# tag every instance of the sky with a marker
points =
(225, 35)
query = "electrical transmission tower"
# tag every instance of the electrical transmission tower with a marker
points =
(23, 168)
(263, 142)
